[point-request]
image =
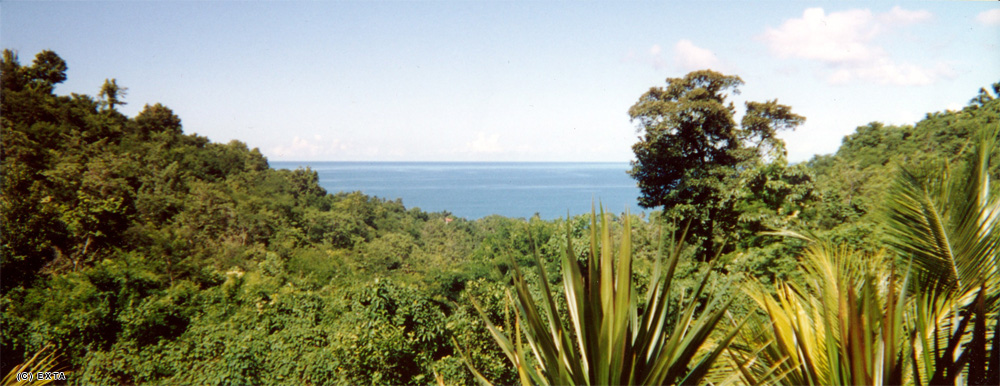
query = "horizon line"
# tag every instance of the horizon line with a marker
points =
(459, 161)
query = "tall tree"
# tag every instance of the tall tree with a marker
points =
(985, 96)
(691, 152)
(112, 93)
(48, 70)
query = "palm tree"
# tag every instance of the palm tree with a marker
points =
(945, 224)
(842, 326)
(920, 317)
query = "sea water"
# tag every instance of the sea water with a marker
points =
(476, 190)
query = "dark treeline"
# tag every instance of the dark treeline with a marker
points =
(141, 254)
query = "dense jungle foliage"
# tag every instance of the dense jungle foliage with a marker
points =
(142, 254)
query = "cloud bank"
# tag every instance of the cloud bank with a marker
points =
(302, 149)
(989, 18)
(686, 56)
(845, 42)
(689, 57)
(484, 144)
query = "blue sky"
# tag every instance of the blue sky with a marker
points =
(505, 81)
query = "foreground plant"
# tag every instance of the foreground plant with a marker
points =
(37, 363)
(843, 326)
(857, 320)
(853, 322)
(609, 340)
(946, 224)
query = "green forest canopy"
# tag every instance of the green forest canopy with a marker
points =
(143, 254)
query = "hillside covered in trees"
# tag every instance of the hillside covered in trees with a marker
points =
(141, 254)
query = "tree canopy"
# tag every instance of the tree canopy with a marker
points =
(143, 255)
(691, 154)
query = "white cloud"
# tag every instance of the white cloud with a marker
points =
(989, 18)
(655, 50)
(690, 57)
(844, 42)
(686, 57)
(835, 38)
(898, 15)
(484, 144)
(302, 149)
(656, 57)
(298, 146)
(885, 71)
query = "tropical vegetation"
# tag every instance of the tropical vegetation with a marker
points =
(134, 253)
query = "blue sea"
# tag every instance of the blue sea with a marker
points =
(476, 190)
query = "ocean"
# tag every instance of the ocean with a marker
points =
(476, 190)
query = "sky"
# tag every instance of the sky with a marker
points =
(505, 81)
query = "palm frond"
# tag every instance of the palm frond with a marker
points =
(857, 320)
(843, 326)
(945, 223)
(37, 363)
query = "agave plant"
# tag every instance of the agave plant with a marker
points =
(607, 339)
(860, 321)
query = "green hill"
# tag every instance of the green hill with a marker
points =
(853, 183)
(146, 255)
